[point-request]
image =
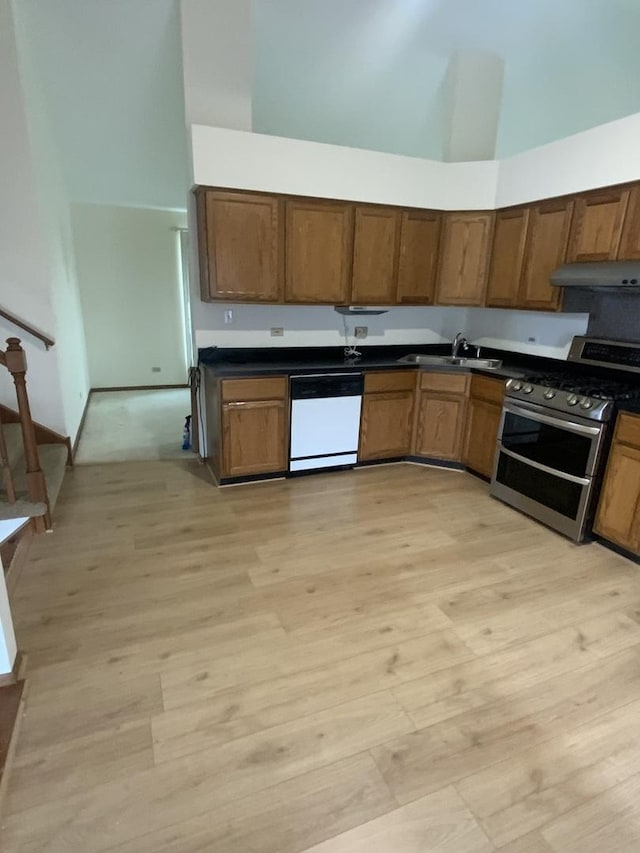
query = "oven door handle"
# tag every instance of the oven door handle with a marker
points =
(559, 423)
(580, 481)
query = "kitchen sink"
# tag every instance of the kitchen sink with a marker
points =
(449, 361)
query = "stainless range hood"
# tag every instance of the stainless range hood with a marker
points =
(608, 276)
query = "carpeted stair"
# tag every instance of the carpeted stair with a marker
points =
(53, 460)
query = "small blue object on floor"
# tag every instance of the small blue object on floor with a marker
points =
(186, 434)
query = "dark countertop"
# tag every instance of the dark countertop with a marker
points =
(231, 363)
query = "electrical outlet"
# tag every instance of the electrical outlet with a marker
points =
(156, 369)
(277, 332)
(362, 332)
(532, 340)
(228, 316)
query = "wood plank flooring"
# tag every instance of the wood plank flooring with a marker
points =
(384, 660)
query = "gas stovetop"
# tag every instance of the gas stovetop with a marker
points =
(589, 397)
(572, 393)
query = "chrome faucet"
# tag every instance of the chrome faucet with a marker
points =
(459, 341)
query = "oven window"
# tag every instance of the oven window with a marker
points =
(552, 446)
(553, 492)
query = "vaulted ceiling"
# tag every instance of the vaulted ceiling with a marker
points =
(365, 73)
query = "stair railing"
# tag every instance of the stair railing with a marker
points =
(15, 361)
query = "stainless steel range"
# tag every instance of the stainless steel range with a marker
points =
(555, 432)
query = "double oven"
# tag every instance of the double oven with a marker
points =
(549, 464)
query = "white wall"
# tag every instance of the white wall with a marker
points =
(604, 155)
(231, 158)
(474, 83)
(37, 273)
(217, 62)
(315, 326)
(531, 332)
(131, 303)
(71, 349)
(111, 79)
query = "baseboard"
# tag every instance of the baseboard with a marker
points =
(139, 388)
(11, 712)
(431, 462)
(76, 442)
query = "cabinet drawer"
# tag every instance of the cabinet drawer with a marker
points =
(445, 383)
(485, 388)
(389, 380)
(628, 430)
(267, 388)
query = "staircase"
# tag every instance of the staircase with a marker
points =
(33, 458)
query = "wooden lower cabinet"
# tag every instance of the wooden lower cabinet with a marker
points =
(254, 437)
(618, 517)
(439, 425)
(253, 426)
(483, 422)
(386, 425)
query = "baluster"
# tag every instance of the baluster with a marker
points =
(16, 362)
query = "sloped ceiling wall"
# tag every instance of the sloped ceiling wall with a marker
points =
(369, 73)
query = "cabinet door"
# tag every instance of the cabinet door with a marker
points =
(375, 256)
(254, 437)
(597, 225)
(546, 250)
(630, 243)
(440, 427)
(483, 421)
(386, 424)
(241, 246)
(618, 517)
(507, 257)
(319, 251)
(418, 264)
(464, 258)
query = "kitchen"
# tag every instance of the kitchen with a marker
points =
(573, 254)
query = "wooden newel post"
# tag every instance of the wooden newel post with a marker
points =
(16, 363)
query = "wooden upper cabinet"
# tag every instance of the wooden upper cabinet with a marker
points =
(319, 251)
(596, 228)
(418, 263)
(629, 249)
(375, 255)
(464, 258)
(241, 246)
(546, 250)
(507, 257)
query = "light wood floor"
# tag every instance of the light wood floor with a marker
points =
(385, 660)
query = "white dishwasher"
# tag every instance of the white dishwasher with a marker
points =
(325, 420)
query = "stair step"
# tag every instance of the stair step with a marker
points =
(53, 461)
(21, 509)
(13, 440)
